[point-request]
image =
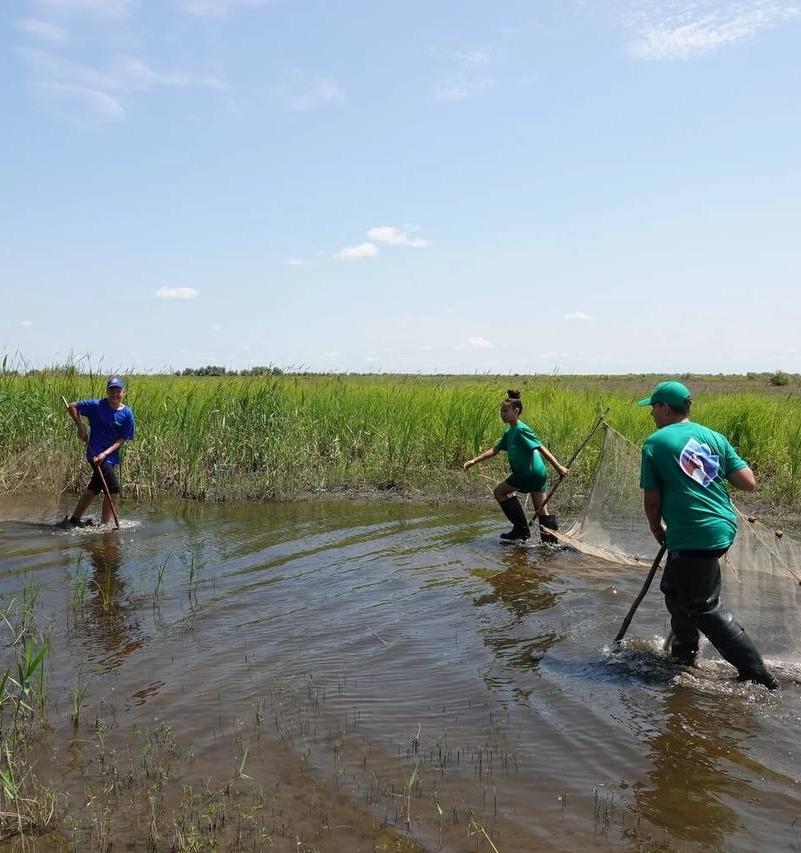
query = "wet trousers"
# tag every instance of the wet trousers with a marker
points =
(691, 585)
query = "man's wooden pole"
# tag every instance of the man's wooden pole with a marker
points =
(630, 615)
(103, 483)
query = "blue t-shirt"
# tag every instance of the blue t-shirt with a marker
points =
(106, 425)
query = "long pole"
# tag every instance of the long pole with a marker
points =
(97, 467)
(546, 531)
(630, 615)
(598, 421)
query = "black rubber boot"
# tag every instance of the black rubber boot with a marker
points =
(731, 640)
(691, 585)
(683, 653)
(551, 523)
(514, 512)
(766, 678)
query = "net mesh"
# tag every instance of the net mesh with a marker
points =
(761, 571)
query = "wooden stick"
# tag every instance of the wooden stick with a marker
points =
(598, 421)
(630, 615)
(107, 494)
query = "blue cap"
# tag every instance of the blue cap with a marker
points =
(115, 382)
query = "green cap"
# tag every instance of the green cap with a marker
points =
(673, 393)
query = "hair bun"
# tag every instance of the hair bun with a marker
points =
(513, 394)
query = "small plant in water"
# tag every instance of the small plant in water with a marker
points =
(78, 695)
(194, 576)
(26, 807)
(160, 576)
(476, 828)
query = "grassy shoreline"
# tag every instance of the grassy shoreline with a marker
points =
(283, 437)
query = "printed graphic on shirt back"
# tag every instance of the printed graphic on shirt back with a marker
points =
(699, 462)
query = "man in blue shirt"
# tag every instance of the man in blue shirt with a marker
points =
(111, 424)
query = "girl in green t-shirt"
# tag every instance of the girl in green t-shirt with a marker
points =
(529, 474)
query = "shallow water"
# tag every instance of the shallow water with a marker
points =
(391, 667)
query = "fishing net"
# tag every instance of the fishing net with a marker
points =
(761, 571)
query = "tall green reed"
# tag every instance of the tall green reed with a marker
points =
(276, 437)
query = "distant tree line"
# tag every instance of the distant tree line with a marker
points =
(217, 370)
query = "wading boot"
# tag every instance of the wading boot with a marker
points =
(520, 531)
(683, 654)
(69, 521)
(731, 640)
(763, 676)
(551, 523)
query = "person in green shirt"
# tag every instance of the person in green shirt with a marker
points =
(529, 474)
(684, 471)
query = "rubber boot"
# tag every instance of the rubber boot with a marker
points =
(683, 653)
(551, 523)
(514, 512)
(731, 640)
(70, 521)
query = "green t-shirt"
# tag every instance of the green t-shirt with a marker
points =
(689, 464)
(521, 443)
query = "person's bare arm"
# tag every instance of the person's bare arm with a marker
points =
(552, 461)
(743, 479)
(101, 457)
(652, 503)
(76, 417)
(487, 454)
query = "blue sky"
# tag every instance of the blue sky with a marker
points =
(518, 187)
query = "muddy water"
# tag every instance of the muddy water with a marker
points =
(387, 675)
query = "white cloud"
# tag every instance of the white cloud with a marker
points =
(295, 262)
(165, 292)
(217, 8)
(479, 56)
(43, 29)
(302, 92)
(480, 343)
(682, 29)
(94, 101)
(461, 88)
(395, 237)
(25, 323)
(89, 8)
(130, 72)
(466, 77)
(363, 250)
(216, 328)
(577, 315)
(100, 90)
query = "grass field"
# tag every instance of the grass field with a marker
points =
(281, 437)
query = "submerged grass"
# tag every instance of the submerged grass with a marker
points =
(279, 437)
(27, 806)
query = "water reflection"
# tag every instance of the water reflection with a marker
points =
(342, 636)
(106, 614)
(524, 587)
(691, 783)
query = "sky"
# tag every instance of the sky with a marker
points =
(533, 186)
